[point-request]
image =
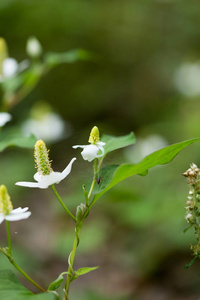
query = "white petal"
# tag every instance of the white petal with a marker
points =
(67, 170)
(9, 67)
(79, 146)
(44, 181)
(19, 210)
(100, 144)
(17, 217)
(47, 180)
(28, 184)
(102, 150)
(4, 118)
(2, 217)
(38, 176)
(90, 152)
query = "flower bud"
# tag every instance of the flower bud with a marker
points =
(43, 164)
(94, 135)
(33, 47)
(189, 217)
(80, 211)
(5, 203)
(3, 52)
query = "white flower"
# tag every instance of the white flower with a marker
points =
(33, 47)
(186, 79)
(90, 152)
(44, 181)
(15, 215)
(50, 127)
(10, 68)
(4, 118)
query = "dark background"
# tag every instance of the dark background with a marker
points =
(144, 77)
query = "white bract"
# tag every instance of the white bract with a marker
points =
(44, 181)
(15, 215)
(90, 152)
(4, 118)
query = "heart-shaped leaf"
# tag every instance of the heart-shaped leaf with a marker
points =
(111, 175)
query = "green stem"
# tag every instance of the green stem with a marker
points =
(94, 179)
(21, 271)
(8, 236)
(27, 277)
(76, 239)
(70, 268)
(61, 202)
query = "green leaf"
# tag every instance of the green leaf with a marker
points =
(52, 59)
(191, 262)
(186, 229)
(12, 137)
(85, 270)
(115, 142)
(110, 176)
(11, 288)
(56, 283)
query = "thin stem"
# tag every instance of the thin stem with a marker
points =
(76, 239)
(21, 271)
(8, 236)
(94, 178)
(70, 268)
(91, 188)
(27, 277)
(61, 202)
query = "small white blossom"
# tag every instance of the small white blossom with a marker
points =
(49, 127)
(189, 217)
(33, 47)
(44, 181)
(90, 152)
(4, 118)
(10, 68)
(15, 214)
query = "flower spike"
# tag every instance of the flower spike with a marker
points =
(43, 164)
(94, 136)
(45, 175)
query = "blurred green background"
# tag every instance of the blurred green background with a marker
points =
(144, 77)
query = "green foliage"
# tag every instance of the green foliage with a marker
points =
(56, 283)
(11, 137)
(112, 175)
(114, 143)
(11, 288)
(53, 59)
(85, 270)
